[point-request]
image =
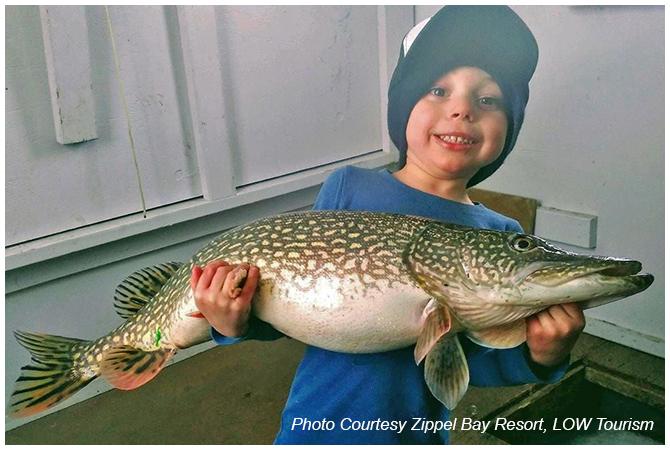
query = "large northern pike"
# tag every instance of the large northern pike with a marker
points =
(346, 281)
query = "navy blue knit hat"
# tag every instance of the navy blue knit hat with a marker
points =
(493, 38)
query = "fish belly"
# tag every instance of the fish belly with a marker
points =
(345, 314)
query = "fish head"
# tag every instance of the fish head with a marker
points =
(465, 265)
(572, 277)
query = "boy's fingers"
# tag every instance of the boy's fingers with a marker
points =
(233, 280)
(220, 277)
(544, 318)
(573, 310)
(533, 322)
(250, 284)
(195, 276)
(567, 313)
(557, 313)
(208, 273)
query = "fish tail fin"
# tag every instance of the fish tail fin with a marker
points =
(51, 378)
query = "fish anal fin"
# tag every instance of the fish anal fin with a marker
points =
(446, 371)
(502, 336)
(436, 323)
(141, 286)
(127, 367)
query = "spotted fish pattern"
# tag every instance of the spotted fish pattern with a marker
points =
(348, 281)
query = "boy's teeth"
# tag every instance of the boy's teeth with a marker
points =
(456, 140)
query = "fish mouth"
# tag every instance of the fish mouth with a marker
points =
(559, 273)
(606, 278)
(592, 282)
(622, 271)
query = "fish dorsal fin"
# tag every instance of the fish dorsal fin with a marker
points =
(126, 367)
(446, 371)
(503, 336)
(140, 287)
(436, 323)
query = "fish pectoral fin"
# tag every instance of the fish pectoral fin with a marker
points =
(502, 336)
(436, 323)
(127, 367)
(446, 371)
(141, 286)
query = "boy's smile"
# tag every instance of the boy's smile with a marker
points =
(456, 141)
(457, 128)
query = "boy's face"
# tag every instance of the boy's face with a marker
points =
(459, 126)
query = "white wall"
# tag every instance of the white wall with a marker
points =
(593, 142)
(280, 106)
(304, 93)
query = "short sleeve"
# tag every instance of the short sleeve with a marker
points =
(513, 225)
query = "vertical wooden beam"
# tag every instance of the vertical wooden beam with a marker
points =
(68, 61)
(202, 64)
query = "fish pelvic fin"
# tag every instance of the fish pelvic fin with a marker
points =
(446, 371)
(126, 367)
(51, 378)
(436, 323)
(141, 286)
(508, 335)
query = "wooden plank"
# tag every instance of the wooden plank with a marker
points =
(520, 208)
(647, 343)
(202, 65)
(65, 33)
(627, 386)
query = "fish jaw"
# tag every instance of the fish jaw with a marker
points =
(594, 287)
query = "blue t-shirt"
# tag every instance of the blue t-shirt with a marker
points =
(345, 388)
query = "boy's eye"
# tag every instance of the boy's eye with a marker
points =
(438, 91)
(490, 102)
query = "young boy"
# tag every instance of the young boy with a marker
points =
(456, 104)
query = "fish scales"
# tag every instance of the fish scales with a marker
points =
(325, 275)
(348, 281)
(345, 257)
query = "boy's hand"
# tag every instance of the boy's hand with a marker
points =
(551, 334)
(219, 299)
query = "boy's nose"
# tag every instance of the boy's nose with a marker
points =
(462, 115)
(461, 109)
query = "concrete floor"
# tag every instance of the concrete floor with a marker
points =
(235, 395)
(226, 395)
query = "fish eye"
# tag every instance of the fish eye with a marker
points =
(523, 244)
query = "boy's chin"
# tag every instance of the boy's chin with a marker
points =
(451, 172)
